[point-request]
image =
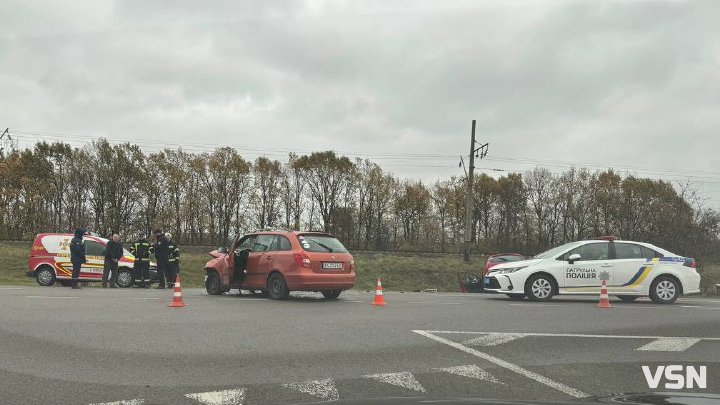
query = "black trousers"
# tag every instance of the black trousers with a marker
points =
(172, 271)
(110, 269)
(162, 270)
(76, 270)
(142, 272)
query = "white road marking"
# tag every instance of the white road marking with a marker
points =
(125, 402)
(493, 339)
(573, 335)
(670, 344)
(46, 296)
(403, 379)
(10, 288)
(323, 389)
(226, 397)
(436, 302)
(352, 301)
(696, 300)
(142, 298)
(536, 305)
(471, 371)
(512, 367)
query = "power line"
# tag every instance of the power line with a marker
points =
(85, 139)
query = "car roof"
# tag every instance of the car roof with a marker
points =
(286, 231)
(71, 235)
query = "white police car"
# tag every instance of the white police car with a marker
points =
(632, 269)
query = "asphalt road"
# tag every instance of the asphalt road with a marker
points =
(91, 346)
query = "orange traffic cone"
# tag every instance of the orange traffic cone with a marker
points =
(379, 300)
(177, 294)
(604, 300)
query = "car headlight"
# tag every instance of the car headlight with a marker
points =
(510, 270)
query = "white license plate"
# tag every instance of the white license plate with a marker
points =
(332, 265)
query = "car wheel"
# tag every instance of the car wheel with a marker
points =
(212, 284)
(125, 278)
(277, 289)
(45, 276)
(332, 294)
(65, 283)
(628, 298)
(664, 290)
(516, 297)
(540, 288)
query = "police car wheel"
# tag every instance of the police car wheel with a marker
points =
(540, 288)
(664, 290)
(516, 297)
(628, 298)
(125, 278)
(212, 284)
(45, 276)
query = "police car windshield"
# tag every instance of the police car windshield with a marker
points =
(555, 251)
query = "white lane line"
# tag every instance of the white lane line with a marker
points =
(124, 402)
(45, 296)
(634, 306)
(436, 302)
(225, 397)
(471, 371)
(703, 307)
(403, 379)
(323, 389)
(670, 345)
(352, 301)
(493, 339)
(510, 366)
(574, 335)
(11, 288)
(696, 300)
(142, 298)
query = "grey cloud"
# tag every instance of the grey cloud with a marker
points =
(558, 80)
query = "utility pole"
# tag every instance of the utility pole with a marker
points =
(479, 152)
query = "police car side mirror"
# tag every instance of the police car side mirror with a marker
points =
(222, 250)
(573, 258)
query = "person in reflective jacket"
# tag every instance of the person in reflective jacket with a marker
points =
(173, 268)
(142, 250)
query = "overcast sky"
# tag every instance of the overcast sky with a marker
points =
(625, 84)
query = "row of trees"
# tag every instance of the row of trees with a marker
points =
(208, 198)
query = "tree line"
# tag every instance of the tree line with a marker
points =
(208, 198)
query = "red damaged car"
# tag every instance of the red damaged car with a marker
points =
(279, 261)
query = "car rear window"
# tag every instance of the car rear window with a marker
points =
(649, 253)
(321, 243)
(505, 259)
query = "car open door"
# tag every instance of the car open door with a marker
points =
(469, 283)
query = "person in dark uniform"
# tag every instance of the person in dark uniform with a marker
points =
(161, 248)
(77, 256)
(113, 254)
(173, 260)
(141, 250)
